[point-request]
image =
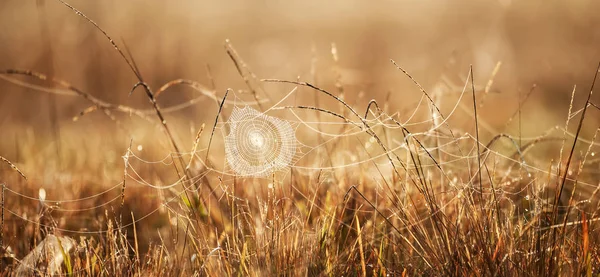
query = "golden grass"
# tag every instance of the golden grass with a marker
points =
(445, 203)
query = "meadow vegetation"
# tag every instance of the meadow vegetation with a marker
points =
(373, 191)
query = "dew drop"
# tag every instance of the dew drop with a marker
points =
(42, 194)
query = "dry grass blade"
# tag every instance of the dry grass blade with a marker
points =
(2, 217)
(66, 89)
(13, 166)
(567, 165)
(387, 220)
(577, 133)
(586, 237)
(476, 134)
(195, 147)
(57, 91)
(99, 104)
(421, 88)
(195, 85)
(244, 71)
(137, 73)
(521, 103)
(320, 110)
(124, 185)
(212, 133)
(130, 64)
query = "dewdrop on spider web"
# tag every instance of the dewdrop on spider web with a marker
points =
(257, 144)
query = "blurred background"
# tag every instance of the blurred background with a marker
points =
(553, 44)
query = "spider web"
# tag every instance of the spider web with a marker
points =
(258, 144)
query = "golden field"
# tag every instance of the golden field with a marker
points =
(428, 138)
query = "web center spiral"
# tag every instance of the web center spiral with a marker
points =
(258, 144)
